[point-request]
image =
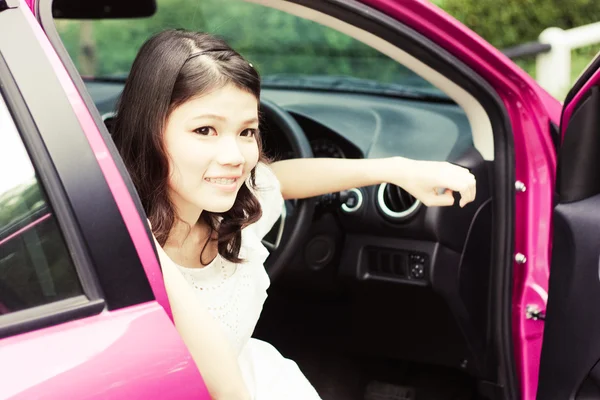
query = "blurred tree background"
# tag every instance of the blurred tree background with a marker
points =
(272, 40)
(280, 43)
(506, 23)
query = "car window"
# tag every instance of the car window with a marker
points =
(35, 266)
(287, 50)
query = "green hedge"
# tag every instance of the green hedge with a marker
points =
(506, 23)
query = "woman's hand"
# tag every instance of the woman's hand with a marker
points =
(432, 182)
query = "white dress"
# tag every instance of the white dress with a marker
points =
(234, 295)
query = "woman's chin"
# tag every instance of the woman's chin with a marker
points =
(218, 199)
(219, 207)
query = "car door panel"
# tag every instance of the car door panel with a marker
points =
(48, 103)
(130, 354)
(571, 347)
(115, 339)
(119, 184)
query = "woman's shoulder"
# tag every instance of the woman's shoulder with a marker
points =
(268, 192)
(265, 179)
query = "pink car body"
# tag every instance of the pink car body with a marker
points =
(99, 342)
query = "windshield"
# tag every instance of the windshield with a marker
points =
(287, 50)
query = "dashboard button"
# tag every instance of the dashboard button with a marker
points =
(417, 271)
(353, 201)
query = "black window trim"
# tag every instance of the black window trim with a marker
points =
(107, 263)
(69, 309)
(97, 219)
(46, 20)
(48, 315)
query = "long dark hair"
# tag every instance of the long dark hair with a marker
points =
(172, 67)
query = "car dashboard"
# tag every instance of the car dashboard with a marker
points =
(384, 246)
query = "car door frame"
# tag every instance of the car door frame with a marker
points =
(112, 167)
(532, 115)
(521, 114)
(570, 359)
(119, 306)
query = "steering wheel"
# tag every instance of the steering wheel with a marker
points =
(292, 227)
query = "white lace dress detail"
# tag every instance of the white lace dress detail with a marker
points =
(234, 295)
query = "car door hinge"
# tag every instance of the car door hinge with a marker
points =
(533, 312)
(6, 4)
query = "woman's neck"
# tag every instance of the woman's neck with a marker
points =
(187, 244)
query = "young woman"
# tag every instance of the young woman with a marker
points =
(187, 129)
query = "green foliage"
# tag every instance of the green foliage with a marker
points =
(274, 41)
(279, 43)
(510, 22)
(507, 23)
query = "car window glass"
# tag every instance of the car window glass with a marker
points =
(288, 51)
(35, 266)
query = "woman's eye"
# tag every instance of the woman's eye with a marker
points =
(248, 132)
(204, 131)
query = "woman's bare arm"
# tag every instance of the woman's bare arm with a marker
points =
(431, 182)
(203, 337)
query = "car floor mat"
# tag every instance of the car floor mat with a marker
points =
(386, 391)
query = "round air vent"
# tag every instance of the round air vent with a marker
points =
(395, 202)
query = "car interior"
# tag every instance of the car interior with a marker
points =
(379, 296)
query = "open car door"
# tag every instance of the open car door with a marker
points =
(570, 361)
(82, 315)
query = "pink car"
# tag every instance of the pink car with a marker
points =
(372, 293)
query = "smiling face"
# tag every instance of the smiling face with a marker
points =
(212, 147)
